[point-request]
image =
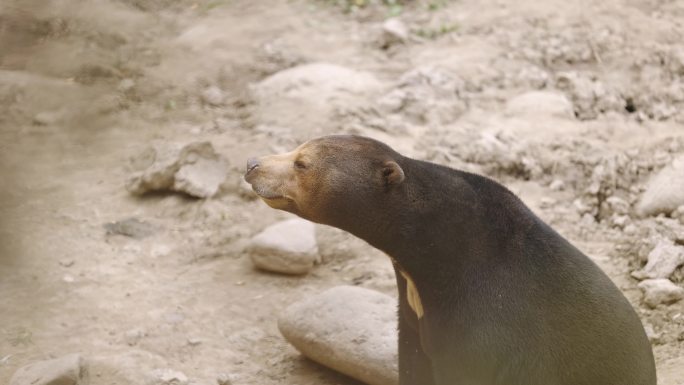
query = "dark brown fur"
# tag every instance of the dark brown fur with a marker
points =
(506, 299)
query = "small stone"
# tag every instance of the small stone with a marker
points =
(394, 31)
(130, 227)
(167, 377)
(68, 278)
(679, 214)
(620, 221)
(557, 185)
(66, 262)
(663, 260)
(46, 118)
(133, 336)
(287, 247)
(660, 291)
(213, 96)
(665, 191)
(546, 202)
(349, 329)
(194, 341)
(224, 379)
(126, 85)
(536, 103)
(653, 337)
(618, 205)
(68, 370)
(630, 229)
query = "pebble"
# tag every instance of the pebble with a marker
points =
(665, 191)
(213, 96)
(224, 379)
(130, 227)
(46, 118)
(134, 336)
(167, 377)
(557, 185)
(663, 260)
(394, 31)
(679, 214)
(653, 336)
(287, 247)
(618, 205)
(349, 329)
(660, 291)
(68, 370)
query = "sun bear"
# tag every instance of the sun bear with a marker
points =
(488, 293)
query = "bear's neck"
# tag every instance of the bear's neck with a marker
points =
(441, 222)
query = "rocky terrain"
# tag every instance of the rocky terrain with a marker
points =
(131, 251)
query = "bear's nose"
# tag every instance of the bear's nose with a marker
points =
(252, 163)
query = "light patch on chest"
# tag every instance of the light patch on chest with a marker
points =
(412, 296)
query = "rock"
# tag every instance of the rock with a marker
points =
(679, 214)
(286, 247)
(665, 191)
(68, 370)
(349, 329)
(308, 97)
(47, 118)
(535, 103)
(213, 96)
(617, 205)
(133, 336)
(195, 169)
(589, 96)
(126, 85)
(310, 79)
(557, 185)
(224, 379)
(130, 227)
(660, 291)
(201, 179)
(663, 260)
(167, 377)
(426, 95)
(394, 31)
(652, 335)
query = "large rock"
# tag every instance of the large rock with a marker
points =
(426, 95)
(665, 191)
(535, 103)
(660, 291)
(67, 370)
(349, 329)
(314, 82)
(307, 98)
(663, 260)
(286, 247)
(195, 169)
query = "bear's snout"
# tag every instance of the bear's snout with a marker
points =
(252, 164)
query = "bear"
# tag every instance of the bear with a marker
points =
(488, 293)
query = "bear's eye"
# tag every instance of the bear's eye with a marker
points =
(299, 165)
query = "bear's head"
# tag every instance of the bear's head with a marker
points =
(329, 180)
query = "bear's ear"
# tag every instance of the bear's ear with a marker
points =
(392, 173)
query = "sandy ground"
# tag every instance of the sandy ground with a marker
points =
(85, 86)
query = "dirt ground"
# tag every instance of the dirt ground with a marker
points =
(86, 86)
